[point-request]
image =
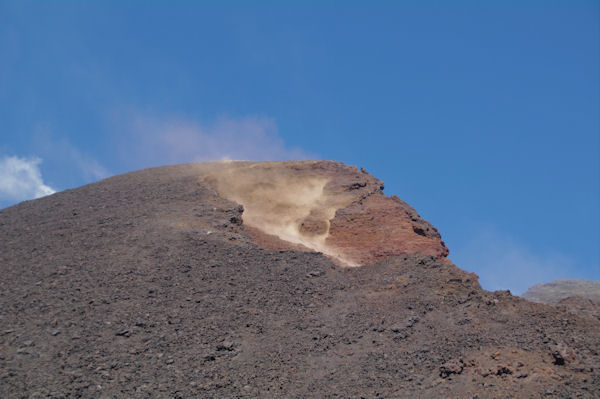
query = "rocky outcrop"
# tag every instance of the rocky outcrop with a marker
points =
(377, 226)
(327, 207)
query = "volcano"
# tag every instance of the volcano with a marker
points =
(275, 279)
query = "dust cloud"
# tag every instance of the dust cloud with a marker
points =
(282, 202)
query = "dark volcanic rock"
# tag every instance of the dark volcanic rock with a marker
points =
(169, 296)
(581, 306)
(563, 354)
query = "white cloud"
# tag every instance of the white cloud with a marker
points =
(154, 141)
(21, 179)
(503, 263)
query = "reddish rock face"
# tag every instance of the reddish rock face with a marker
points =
(378, 226)
(327, 207)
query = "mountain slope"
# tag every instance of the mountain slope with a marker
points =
(581, 297)
(150, 284)
(554, 291)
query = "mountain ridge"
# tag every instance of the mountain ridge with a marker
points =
(148, 284)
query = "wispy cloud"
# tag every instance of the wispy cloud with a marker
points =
(141, 141)
(503, 263)
(155, 141)
(62, 154)
(21, 179)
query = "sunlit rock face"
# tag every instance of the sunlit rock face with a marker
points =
(326, 207)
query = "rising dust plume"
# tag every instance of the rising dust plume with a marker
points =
(279, 201)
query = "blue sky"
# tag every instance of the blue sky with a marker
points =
(484, 117)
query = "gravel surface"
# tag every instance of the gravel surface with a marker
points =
(146, 285)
